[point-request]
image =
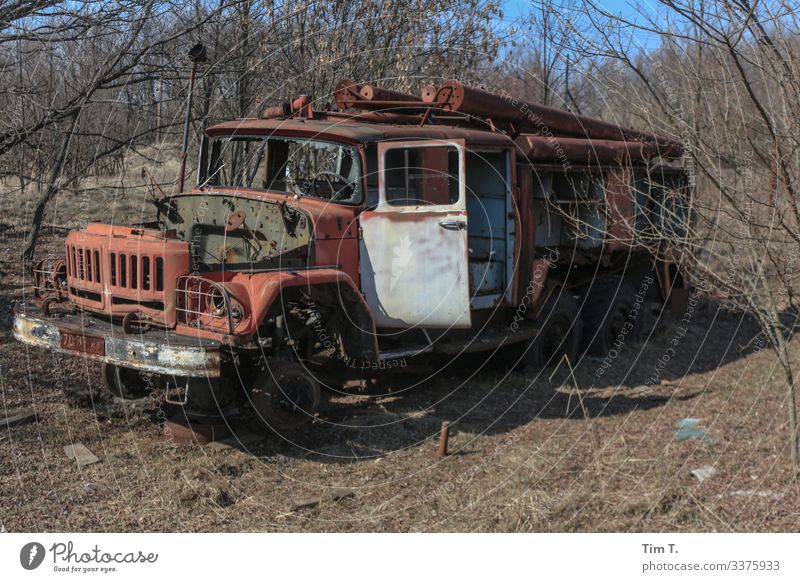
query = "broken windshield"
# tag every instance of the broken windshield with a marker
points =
(302, 167)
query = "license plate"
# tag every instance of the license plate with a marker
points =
(94, 346)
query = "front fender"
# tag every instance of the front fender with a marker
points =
(266, 288)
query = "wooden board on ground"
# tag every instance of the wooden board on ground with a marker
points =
(233, 442)
(314, 501)
(18, 419)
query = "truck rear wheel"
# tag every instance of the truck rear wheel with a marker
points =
(607, 316)
(559, 332)
(285, 396)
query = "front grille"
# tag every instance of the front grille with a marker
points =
(96, 297)
(136, 272)
(83, 264)
(118, 270)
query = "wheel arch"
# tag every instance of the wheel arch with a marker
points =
(332, 288)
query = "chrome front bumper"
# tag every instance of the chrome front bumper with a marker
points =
(159, 351)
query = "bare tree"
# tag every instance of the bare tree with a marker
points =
(121, 74)
(724, 77)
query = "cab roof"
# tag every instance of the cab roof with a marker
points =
(353, 130)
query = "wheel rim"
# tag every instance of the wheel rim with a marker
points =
(295, 395)
(286, 400)
(616, 324)
(556, 339)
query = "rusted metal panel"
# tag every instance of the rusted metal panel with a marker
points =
(162, 357)
(375, 117)
(357, 131)
(619, 206)
(341, 252)
(121, 269)
(261, 234)
(264, 288)
(525, 230)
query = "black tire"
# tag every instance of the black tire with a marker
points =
(285, 396)
(124, 383)
(558, 334)
(210, 396)
(607, 316)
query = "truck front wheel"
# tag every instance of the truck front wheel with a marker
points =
(558, 332)
(125, 382)
(285, 396)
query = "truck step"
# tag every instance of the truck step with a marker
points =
(411, 352)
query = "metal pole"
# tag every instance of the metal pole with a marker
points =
(444, 436)
(186, 120)
(197, 54)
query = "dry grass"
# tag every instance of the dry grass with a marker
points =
(120, 196)
(525, 458)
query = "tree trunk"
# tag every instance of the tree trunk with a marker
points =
(53, 187)
(779, 344)
(790, 395)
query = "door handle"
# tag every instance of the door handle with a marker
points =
(453, 224)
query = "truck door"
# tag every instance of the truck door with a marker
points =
(413, 247)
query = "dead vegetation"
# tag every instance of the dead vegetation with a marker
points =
(527, 454)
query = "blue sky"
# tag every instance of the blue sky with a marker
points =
(633, 10)
(515, 8)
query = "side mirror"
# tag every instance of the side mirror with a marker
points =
(197, 54)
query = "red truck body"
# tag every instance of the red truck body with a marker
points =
(316, 247)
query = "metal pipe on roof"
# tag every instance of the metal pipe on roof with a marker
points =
(587, 151)
(349, 95)
(535, 118)
(346, 93)
(373, 93)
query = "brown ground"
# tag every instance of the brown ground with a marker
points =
(527, 455)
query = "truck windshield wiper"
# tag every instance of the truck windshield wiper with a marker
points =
(166, 206)
(196, 248)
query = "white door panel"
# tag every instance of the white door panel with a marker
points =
(415, 272)
(414, 265)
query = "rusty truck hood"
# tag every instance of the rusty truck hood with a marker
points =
(329, 220)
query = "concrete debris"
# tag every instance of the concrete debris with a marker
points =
(689, 428)
(82, 455)
(703, 473)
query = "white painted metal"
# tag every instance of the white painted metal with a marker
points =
(414, 258)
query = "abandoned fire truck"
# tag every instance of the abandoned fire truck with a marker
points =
(318, 247)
